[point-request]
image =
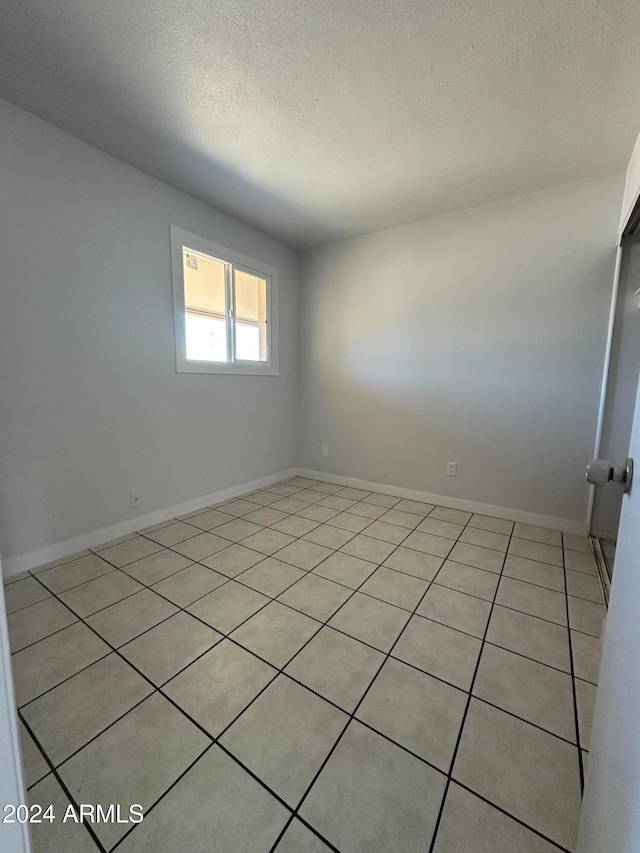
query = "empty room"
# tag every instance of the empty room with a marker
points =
(319, 359)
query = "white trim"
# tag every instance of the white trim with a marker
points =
(624, 222)
(605, 374)
(631, 192)
(567, 526)
(180, 239)
(33, 559)
(15, 837)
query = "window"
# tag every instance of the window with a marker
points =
(225, 309)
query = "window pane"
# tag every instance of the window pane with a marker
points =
(247, 342)
(250, 316)
(205, 307)
(206, 338)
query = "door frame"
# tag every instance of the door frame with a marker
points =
(604, 388)
(629, 219)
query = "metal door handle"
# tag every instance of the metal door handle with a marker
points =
(600, 472)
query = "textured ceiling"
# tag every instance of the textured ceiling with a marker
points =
(316, 120)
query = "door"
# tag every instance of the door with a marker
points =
(622, 380)
(610, 820)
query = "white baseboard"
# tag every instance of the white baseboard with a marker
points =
(33, 559)
(567, 526)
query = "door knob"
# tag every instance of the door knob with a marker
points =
(600, 472)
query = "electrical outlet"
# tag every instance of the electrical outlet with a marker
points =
(134, 499)
(324, 450)
(451, 469)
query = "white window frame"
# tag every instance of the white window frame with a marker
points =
(183, 239)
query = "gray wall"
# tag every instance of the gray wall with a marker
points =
(621, 388)
(477, 338)
(91, 405)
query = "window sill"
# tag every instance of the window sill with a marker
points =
(220, 368)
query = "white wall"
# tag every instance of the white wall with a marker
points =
(477, 338)
(91, 405)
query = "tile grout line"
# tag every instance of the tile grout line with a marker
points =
(71, 755)
(116, 649)
(193, 562)
(64, 680)
(171, 786)
(573, 680)
(274, 553)
(466, 710)
(577, 744)
(442, 681)
(309, 571)
(513, 817)
(178, 708)
(322, 624)
(271, 599)
(123, 569)
(46, 637)
(351, 716)
(282, 671)
(181, 710)
(83, 619)
(60, 781)
(279, 671)
(276, 598)
(267, 527)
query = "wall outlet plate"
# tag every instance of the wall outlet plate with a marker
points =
(134, 499)
(451, 469)
(324, 450)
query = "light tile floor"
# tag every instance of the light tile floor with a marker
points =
(312, 668)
